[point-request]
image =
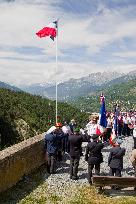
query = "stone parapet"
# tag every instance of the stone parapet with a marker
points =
(19, 160)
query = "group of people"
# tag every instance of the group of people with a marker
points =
(68, 138)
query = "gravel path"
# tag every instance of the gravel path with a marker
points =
(59, 185)
(62, 185)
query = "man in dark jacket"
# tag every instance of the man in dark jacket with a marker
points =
(115, 159)
(75, 143)
(94, 156)
(52, 141)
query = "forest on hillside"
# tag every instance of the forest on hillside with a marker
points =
(123, 94)
(23, 115)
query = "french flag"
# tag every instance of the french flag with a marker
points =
(115, 126)
(102, 123)
(102, 115)
(50, 30)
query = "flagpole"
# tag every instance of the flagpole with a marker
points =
(56, 72)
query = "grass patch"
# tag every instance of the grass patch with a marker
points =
(89, 195)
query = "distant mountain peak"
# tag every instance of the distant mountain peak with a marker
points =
(8, 86)
(79, 87)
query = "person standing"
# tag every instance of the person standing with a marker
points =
(52, 141)
(75, 143)
(134, 135)
(94, 156)
(67, 131)
(92, 126)
(115, 159)
(72, 125)
(133, 161)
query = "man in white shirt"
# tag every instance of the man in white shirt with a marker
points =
(91, 127)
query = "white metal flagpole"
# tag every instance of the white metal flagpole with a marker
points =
(56, 72)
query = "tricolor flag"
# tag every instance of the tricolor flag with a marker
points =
(50, 30)
(116, 115)
(102, 115)
(112, 140)
(102, 123)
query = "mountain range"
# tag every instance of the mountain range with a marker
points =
(8, 86)
(74, 88)
(84, 86)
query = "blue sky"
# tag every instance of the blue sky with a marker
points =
(94, 36)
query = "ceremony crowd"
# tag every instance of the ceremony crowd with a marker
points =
(67, 138)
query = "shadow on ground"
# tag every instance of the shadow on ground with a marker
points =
(119, 193)
(24, 187)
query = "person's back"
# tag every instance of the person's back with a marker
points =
(117, 154)
(115, 159)
(51, 143)
(94, 156)
(75, 142)
(93, 152)
(133, 161)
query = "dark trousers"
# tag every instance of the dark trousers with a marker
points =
(125, 129)
(119, 129)
(51, 163)
(135, 171)
(74, 163)
(90, 169)
(109, 130)
(134, 142)
(66, 144)
(115, 172)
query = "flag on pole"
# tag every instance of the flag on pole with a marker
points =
(102, 123)
(102, 115)
(115, 127)
(116, 115)
(112, 139)
(50, 30)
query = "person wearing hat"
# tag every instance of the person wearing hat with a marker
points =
(75, 144)
(94, 156)
(61, 138)
(115, 159)
(52, 141)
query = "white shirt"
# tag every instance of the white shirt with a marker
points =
(134, 131)
(91, 128)
(66, 129)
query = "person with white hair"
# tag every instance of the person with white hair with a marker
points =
(92, 126)
(67, 131)
(115, 159)
(72, 125)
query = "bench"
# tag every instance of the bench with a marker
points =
(101, 181)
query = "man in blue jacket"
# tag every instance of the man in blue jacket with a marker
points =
(52, 141)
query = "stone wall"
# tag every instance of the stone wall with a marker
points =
(19, 160)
